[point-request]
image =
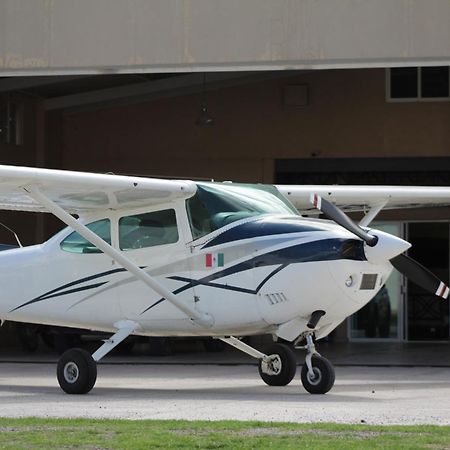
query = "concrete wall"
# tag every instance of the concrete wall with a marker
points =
(109, 36)
(347, 116)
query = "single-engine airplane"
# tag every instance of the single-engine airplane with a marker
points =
(155, 257)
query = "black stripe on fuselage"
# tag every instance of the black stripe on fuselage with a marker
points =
(322, 250)
(62, 289)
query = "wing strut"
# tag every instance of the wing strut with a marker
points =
(198, 317)
(372, 213)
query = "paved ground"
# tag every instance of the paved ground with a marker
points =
(376, 395)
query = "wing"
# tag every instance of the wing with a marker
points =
(82, 192)
(360, 198)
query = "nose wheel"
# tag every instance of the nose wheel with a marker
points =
(317, 373)
(321, 380)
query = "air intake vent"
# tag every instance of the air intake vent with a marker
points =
(274, 299)
(368, 282)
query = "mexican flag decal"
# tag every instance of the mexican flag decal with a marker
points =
(214, 260)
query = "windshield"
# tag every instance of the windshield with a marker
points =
(216, 205)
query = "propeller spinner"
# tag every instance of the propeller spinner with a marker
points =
(413, 270)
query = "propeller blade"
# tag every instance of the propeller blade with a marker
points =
(334, 213)
(420, 275)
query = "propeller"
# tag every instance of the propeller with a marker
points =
(338, 216)
(420, 275)
(407, 266)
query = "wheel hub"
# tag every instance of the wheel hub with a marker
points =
(316, 379)
(272, 366)
(71, 372)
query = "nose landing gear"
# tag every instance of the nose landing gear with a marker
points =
(317, 372)
(278, 365)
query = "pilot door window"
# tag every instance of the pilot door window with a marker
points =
(75, 243)
(148, 230)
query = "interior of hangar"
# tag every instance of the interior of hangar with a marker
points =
(340, 126)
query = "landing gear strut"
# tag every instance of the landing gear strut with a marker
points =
(277, 367)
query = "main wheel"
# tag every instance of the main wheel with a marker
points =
(281, 369)
(76, 371)
(323, 379)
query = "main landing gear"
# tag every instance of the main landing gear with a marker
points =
(77, 369)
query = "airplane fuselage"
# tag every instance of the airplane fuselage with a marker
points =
(261, 274)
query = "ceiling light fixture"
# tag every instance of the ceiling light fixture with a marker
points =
(204, 119)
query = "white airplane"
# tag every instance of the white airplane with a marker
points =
(156, 257)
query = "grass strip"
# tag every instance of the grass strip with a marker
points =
(33, 433)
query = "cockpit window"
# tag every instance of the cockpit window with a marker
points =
(75, 243)
(216, 205)
(148, 230)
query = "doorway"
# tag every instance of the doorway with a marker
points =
(428, 315)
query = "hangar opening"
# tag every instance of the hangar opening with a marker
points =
(401, 310)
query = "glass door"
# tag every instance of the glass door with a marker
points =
(382, 317)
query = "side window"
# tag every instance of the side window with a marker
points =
(75, 243)
(148, 230)
(199, 216)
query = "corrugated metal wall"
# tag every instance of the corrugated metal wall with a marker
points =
(110, 36)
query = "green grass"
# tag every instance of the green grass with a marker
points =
(150, 434)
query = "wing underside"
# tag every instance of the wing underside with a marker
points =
(364, 198)
(82, 192)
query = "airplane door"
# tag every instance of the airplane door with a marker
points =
(225, 287)
(153, 241)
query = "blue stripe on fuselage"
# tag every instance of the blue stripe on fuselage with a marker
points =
(265, 226)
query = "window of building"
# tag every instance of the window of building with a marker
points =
(148, 230)
(418, 83)
(75, 243)
(10, 122)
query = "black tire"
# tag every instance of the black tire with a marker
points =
(76, 371)
(284, 368)
(324, 372)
